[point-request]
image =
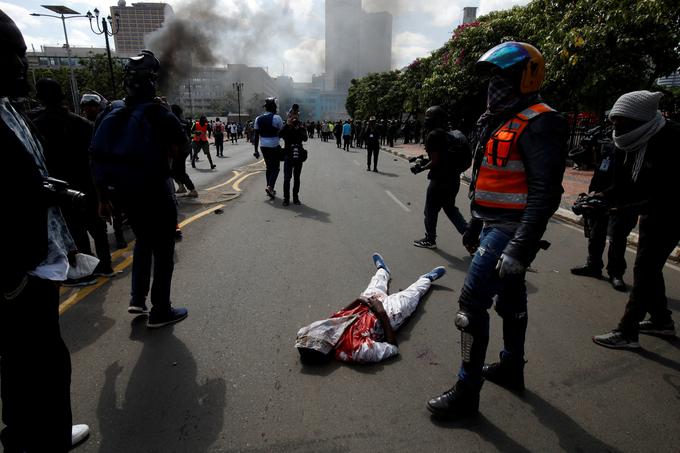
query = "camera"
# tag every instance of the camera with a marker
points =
(419, 162)
(59, 193)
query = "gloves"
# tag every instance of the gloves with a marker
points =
(508, 265)
(471, 235)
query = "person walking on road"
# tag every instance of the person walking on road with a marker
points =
(347, 135)
(371, 139)
(337, 131)
(267, 128)
(179, 170)
(136, 162)
(646, 180)
(450, 155)
(365, 330)
(200, 143)
(233, 130)
(516, 187)
(35, 363)
(218, 133)
(293, 135)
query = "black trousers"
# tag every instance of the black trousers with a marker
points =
(372, 150)
(291, 169)
(347, 139)
(80, 223)
(659, 235)
(179, 172)
(153, 223)
(219, 144)
(272, 160)
(338, 140)
(618, 226)
(441, 194)
(35, 372)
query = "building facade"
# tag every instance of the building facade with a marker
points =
(136, 22)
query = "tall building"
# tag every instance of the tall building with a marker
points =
(469, 14)
(136, 22)
(357, 42)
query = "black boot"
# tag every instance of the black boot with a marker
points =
(508, 374)
(460, 401)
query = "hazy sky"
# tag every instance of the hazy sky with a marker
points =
(419, 27)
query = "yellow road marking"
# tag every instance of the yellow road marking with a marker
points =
(238, 183)
(80, 294)
(236, 175)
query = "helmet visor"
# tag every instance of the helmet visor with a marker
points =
(505, 55)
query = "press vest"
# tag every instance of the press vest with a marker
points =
(502, 180)
(200, 132)
(265, 126)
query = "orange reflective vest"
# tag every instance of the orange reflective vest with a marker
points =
(200, 132)
(502, 180)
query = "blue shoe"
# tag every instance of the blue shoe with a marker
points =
(436, 273)
(171, 316)
(380, 262)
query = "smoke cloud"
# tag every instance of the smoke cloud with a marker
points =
(208, 32)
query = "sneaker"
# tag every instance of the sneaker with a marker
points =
(459, 401)
(380, 262)
(192, 194)
(137, 309)
(88, 280)
(213, 166)
(286, 202)
(181, 189)
(436, 273)
(79, 433)
(172, 316)
(108, 272)
(270, 192)
(425, 243)
(650, 328)
(368, 169)
(587, 271)
(616, 340)
(178, 234)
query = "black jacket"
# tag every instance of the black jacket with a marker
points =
(543, 146)
(655, 191)
(24, 225)
(292, 136)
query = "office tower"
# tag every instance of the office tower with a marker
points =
(136, 22)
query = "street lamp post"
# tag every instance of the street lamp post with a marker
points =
(66, 13)
(238, 86)
(104, 30)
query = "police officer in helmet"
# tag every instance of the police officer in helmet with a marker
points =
(518, 167)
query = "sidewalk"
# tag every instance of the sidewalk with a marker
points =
(574, 183)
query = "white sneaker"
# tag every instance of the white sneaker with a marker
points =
(79, 433)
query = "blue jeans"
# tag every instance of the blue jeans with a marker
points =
(482, 284)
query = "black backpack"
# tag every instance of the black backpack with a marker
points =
(460, 151)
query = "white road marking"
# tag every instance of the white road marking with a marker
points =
(396, 200)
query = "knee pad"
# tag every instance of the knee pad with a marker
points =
(472, 324)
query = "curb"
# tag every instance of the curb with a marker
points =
(563, 214)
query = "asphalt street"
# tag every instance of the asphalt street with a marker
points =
(229, 379)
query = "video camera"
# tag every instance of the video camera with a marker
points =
(420, 162)
(59, 193)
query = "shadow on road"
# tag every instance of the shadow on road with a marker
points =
(302, 210)
(461, 264)
(571, 436)
(90, 314)
(163, 408)
(391, 175)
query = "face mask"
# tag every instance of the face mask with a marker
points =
(500, 94)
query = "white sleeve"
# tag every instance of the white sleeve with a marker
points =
(256, 125)
(277, 122)
(374, 351)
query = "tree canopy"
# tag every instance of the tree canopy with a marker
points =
(595, 50)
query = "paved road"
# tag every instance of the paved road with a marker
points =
(229, 379)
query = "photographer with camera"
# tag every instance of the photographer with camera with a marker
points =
(448, 156)
(600, 221)
(35, 365)
(293, 134)
(67, 140)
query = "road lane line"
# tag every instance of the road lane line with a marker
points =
(82, 293)
(236, 175)
(238, 183)
(396, 200)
